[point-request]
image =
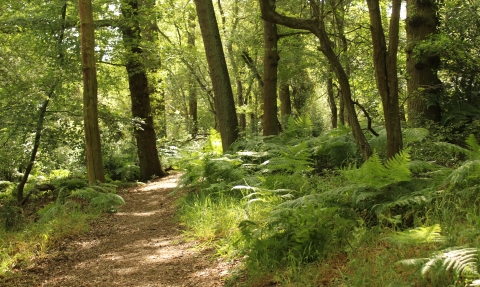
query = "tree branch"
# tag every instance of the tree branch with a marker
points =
(369, 119)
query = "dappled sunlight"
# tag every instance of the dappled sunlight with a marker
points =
(88, 244)
(140, 246)
(139, 214)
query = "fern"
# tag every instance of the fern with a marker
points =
(374, 173)
(469, 171)
(414, 135)
(474, 152)
(294, 159)
(99, 197)
(429, 234)
(462, 261)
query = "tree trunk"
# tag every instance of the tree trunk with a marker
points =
(341, 113)
(192, 92)
(152, 61)
(224, 102)
(93, 149)
(270, 69)
(285, 103)
(43, 110)
(385, 63)
(331, 102)
(233, 62)
(423, 85)
(139, 87)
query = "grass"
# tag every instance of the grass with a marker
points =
(19, 248)
(27, 232)
(368, 259)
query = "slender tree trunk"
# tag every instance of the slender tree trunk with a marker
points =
(385, 62)
(43, 110)
(233, 62)
(270, 69)
(139, 87)
(341, 112)
(192, 92)
(224, 102)
(36, 145)
(285, 103)
(93, 149)
(331, 102)
(423, 85)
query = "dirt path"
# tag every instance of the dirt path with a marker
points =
(139, 246)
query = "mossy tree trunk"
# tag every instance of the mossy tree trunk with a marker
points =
(423, 85)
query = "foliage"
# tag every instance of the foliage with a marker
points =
(449, 265)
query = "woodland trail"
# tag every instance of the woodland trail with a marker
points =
(141, 245)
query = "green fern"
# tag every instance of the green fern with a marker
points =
(474, 152)
(413, 135)
(374, 173)
(293, 159)
(461, 261)
(420, 235)
(469, 171)
(100, 197)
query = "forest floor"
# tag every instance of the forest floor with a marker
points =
(141, 245)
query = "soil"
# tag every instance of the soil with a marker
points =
(141, 245)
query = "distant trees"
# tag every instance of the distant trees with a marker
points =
(358, 79)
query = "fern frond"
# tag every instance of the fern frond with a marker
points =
(452, 147)
(86, 193)
(474, 147)
(413, 135)
(374, 173)
(422, 166)
(468, 171)
(416, 236)
(460, 260)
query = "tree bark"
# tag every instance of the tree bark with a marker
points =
(385, 63)
(331, 102)
(423, 85)
(270, 69)
(224, 102)
(93, 149)
(192, 92)
(317, 27)
(139, 87)
(285, 101)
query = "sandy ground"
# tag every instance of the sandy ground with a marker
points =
(140, 246)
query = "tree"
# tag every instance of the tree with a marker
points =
(224, 102)
(385, 62)
(423, 85)
(140, 90)
(90, 102)
(270, 68)
(316, 26)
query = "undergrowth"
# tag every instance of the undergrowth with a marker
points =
(307, 211)
(27, 232)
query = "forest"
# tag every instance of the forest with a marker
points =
(320, 142)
